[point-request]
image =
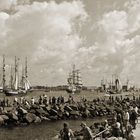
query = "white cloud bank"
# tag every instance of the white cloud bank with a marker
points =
(49, 35)
(46, 34)
(119, 51)
(6, 4)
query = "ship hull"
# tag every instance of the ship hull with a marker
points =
(69, 91)
(22, 91)
(11, 93)
(1, 89)
(73, 91)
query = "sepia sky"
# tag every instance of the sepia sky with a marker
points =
(102, 37)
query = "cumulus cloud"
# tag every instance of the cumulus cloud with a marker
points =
(49, 34)
(46, 33)
(6, 4)
(3, 18)
(133, 8)
(107, 57)
(117, 49)
(118, 53)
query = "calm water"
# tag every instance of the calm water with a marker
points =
(43, 131)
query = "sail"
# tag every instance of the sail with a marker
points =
(74, 80)
(16, 75)
(78, 79)
(70, 80)
(16, 82)
(11, 82)
(22, 83)
(1, 83)
(25, 84)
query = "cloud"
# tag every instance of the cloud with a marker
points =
(133, 7)
(116, 53)
(109, 54)
(6, 4)
(3, 30)
(117, 50)
(115, 23)
(55, 35)
(45, 33)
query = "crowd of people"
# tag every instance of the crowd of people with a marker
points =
(121, 124)
(123, 111)
(116, 129)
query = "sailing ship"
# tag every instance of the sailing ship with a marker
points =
(16, 87)
(74, 81)
(103, 84)
(13, 88)
(113, 86)
(125, 87)
(25, 85)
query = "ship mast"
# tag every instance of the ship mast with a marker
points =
(16, 74)
(79, 80)
(3, 80)
(26, 69)
(27, 83)
(112, 82)
(11, 78)
(15, 67)
(73, 74)
(77, 77)
(22, 78)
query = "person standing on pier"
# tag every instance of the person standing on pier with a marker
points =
(32, 101)
(126, 117)
(133, 118)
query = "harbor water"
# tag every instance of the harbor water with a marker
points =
(43, 131)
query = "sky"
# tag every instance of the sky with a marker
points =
(101, 37)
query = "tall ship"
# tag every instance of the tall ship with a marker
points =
(24, 85)
(16, 87)
(74, 81)
(12, 88)
(113, 86)
(125, 86)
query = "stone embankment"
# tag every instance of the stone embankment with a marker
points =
(36, 113)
